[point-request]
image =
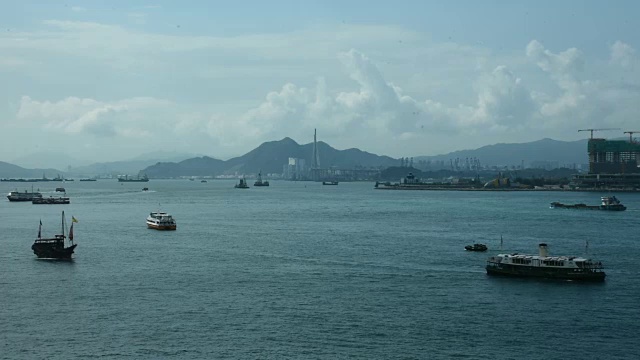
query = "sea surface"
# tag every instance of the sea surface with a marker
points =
(299, 270)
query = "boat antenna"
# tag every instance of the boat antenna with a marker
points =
(500, 242)
(586, 247)
(63, 224)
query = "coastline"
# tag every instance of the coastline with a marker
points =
(442, 188)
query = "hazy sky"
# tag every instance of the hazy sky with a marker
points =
(110, 80)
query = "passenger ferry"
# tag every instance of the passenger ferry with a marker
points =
(161, 221)
(545, 266)
(23, 196)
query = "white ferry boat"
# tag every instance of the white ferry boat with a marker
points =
(161, 221)
(545, 266)
(23, 196)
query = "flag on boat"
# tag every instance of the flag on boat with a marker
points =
(71, 233)
(74, 219)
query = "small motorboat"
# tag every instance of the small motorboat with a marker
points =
(145, 189)
(476, 247)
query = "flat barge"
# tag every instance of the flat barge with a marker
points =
(609, 203)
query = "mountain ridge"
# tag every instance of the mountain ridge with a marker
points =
(272, 156)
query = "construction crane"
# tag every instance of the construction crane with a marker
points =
(592, 130)
(631, 134)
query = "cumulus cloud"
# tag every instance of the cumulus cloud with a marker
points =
(579, 100)
(75, 115)
(622, 54)
(503, 100)
(378, 107)
(503, 103)
(233, 92)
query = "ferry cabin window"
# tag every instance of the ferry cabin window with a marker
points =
(553, 263)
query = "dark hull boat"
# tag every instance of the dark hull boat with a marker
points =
(55, 247)
(329, 183)
(476, 247)
(51, 200)
(260, 182)
(546, 267)
(242, 184)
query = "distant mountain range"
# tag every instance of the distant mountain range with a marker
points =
(270, 157)
(14, 171)
(69, 165)
(564, 152)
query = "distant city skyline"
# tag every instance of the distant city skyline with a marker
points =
(107, 81)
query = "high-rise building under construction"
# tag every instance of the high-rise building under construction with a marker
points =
(613, 165)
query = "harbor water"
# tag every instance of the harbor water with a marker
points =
(298, 270)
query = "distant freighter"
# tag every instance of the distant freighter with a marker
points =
(126, 178)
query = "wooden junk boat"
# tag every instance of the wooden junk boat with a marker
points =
(55, 247)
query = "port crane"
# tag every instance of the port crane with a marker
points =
(592, 130)
(631, 134)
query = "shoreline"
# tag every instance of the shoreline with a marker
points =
(499, 190)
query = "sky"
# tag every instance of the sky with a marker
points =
(111, 80)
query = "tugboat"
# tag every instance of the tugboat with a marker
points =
(260, 182)
(242, 184)
(476, 247)
(54, 248)
(160, 221)
(610, 203)
(545, 266)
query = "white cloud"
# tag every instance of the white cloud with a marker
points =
(128, 118)
(78, 9)
(377, 108)
(398, 88)
(581, 101)
(622, 54)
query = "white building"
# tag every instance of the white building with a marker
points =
(296, 169)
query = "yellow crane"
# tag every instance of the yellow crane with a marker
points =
(592, 130)
(631, 134)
